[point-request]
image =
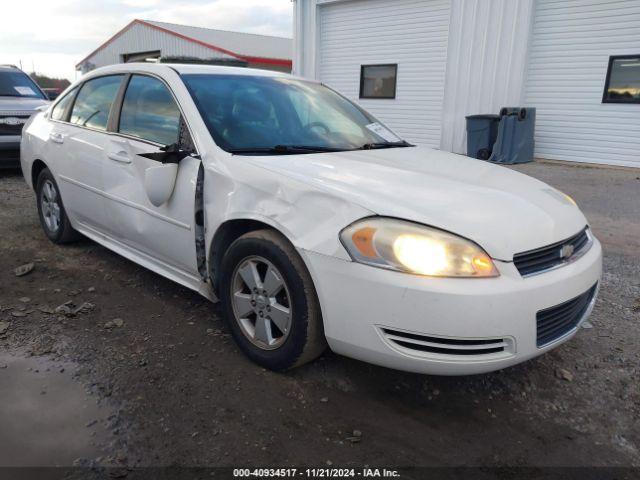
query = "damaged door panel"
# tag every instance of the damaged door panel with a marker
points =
(159, 224)
(165, 232)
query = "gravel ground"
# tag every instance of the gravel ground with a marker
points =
(158, 360)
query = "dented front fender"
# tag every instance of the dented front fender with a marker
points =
(310, 218)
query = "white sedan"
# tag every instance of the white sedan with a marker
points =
(312, 222)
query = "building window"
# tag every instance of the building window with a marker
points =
(141, 56)
(378, 81)
(623, 80)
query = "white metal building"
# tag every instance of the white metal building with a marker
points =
(422, 65)
(141, 40)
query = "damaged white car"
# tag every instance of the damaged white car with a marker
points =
(310, 221)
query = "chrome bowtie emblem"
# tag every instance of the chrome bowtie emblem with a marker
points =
(566, 251)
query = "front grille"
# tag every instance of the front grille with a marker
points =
(12, 125)
(546, 258)
(446, 346)
(555, 322)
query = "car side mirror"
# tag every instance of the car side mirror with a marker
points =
(175, 152)
(170, 154)
(159, 182)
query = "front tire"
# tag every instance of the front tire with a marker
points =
(53, 216)
(269, 301)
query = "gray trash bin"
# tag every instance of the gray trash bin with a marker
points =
(515, 142)
(482, 132)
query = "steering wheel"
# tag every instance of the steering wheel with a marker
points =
(312, 125)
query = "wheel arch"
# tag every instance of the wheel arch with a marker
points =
(36, 168)
(228, 232)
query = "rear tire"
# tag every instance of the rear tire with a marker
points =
(53, 216)
(269, 301)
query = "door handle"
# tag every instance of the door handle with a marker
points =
(122, 157)
(56, 137)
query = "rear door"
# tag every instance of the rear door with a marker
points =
(150, 118)
(76, 147)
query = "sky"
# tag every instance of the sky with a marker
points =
(52, 36)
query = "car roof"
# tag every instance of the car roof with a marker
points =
(187, 69)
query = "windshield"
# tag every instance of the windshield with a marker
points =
(254, 114)
(18, 84)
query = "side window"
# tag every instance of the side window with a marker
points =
(60, 109)
(93, 103)
(149, 111)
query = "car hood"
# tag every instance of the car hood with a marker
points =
(502, 210)
(14, 105)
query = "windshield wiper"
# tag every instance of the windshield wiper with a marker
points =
(284, 150)
(375, 145)
(300, 149)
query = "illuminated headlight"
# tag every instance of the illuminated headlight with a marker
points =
(409, 247)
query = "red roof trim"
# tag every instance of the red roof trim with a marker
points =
(263, 60)
(268, 61)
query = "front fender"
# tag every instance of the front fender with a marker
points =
(309, 218)
(33, 142)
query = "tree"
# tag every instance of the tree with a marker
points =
(44, 81)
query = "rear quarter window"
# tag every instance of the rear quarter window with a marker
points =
(59, 111)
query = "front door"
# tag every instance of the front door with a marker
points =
(150, 118)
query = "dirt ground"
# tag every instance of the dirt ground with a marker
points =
(158, 380)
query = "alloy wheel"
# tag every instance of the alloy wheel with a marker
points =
(51, 211)
(261, 302)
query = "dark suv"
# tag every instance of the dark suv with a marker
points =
(20, 98)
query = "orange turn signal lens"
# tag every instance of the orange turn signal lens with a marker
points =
(363, 241)
(482, 264)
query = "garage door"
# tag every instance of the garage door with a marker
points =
(410, 33)
(569, 54)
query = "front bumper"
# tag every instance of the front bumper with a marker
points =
(359, 303)
(9, 151)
